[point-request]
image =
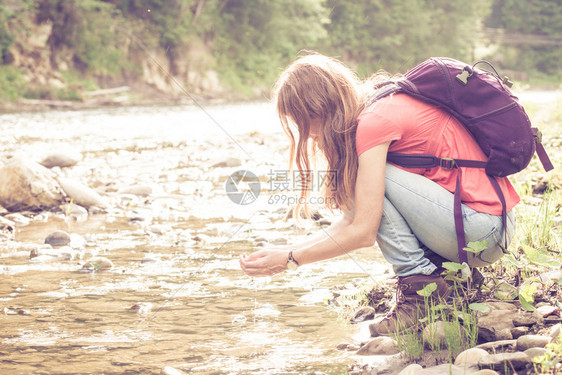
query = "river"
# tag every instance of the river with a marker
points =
(175, 295)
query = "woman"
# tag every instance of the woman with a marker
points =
(407, 211)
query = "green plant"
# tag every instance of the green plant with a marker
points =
(549, 363)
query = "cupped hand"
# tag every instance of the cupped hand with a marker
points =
(266, 262)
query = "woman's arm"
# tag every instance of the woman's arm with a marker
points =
(361, 232)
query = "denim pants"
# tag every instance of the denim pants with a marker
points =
(418, 213)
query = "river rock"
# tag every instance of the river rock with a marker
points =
(535, 352)
(525, 319)
(6, 224)
(495, 321)
(26, 185)
(97, 264)
(485, 372)
(18, 219)
(168, 370)
(140, 190)
(546, 310)
(448, 369)
(75, 212)
(532, 341)
(499, 361)
(555, 333)
(363, 314)
(498, 346)
(81, 194)
(412, 369)
(60, 160)
(519, 331)
(141, 307)
(379, 346)
(470, 356)
(58, 238)
(226, 162)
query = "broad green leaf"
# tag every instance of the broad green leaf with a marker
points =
(526, 305)
(506, 292)
(476, 246)
(510, 260)
(452, 266)
(427, 290)
(540, 258)
(476, 306)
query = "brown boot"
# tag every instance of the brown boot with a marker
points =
(410, 306)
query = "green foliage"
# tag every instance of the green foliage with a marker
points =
(91, 29)
(534, 17)
(549, 363)
(394, 35)
(11, 83)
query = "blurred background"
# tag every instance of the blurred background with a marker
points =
(234, 49)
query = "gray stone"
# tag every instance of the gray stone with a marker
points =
(379, 346)
(97, 264)
(498, 346)
(412, 369)
(546, 310)
(555, 333)
(525, 319)
(228, 162)
(58, 238)
(499, 361)
(470, 356)
(519, 331)
(494, 321)
(18, 219)
(140, 190)
(60, 160)
(25, 185)
(532, 341)
(81, 194)
(363, 314)
(534, 352)
(448, 369)
(485, 372)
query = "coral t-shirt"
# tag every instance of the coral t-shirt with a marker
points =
(415, 127)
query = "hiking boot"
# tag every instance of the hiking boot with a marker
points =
(410, 306)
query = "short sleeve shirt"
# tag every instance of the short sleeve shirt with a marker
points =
(415, 127)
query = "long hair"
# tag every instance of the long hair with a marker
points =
(312, 87)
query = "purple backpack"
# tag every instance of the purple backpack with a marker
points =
(480, 100)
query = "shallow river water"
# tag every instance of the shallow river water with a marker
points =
(175, 252)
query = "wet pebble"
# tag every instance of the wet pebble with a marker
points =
(141, 307)
(97, 264)
(379, 346)
(76, 212)
(140, 190)
(532, 341)
(61, 160)
(81, 194)
(168, 370)
(18, 219)
(363, 314)
(226, 162)
(149, 259)
(58, 238)
(505, 360)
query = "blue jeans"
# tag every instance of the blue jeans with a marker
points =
(418, 212)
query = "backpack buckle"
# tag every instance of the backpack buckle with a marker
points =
(447, 163)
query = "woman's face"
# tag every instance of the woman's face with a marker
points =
(315, 130)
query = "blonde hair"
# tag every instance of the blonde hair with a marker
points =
(317, 86)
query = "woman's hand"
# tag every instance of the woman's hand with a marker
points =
(266, 262)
